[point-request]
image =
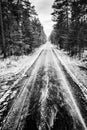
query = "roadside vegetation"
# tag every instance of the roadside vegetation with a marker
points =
(20, 29)
(70, 27)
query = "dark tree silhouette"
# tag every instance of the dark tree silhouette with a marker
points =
(17, 22)
(70, 17)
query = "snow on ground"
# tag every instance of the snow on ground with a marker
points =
(76, 66)
(13, 69)
(13, 65)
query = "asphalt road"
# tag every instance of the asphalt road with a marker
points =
(46, 98)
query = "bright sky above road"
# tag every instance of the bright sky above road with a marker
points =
(44, 10)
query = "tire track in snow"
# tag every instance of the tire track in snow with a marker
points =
(45, 102)
(14, 113)
(69, 89)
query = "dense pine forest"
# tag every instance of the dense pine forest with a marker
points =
(70, 28)
(20, 28)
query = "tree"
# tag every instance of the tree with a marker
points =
(16, 20)
(70, 18)
(2, 38)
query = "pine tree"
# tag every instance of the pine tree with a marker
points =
(70, 18)
(16, 26)
(2, 31)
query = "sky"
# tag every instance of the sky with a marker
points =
(44, 10)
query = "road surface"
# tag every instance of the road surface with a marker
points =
(45, 98)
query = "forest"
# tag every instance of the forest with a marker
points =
(70, 26)
(20, 28)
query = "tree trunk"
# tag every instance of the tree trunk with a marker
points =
(2, 32)
(67, 16)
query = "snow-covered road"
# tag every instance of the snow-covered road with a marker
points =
(46, 97)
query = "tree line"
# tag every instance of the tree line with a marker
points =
(20, 28)
(70, 28)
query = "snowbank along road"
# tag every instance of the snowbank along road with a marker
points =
(46, 98)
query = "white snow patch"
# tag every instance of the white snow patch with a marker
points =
(72, 66)
(14, 64)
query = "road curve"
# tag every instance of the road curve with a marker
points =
(47, 98)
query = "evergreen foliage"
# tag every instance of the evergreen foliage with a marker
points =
(70, 28)
(21, 30)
